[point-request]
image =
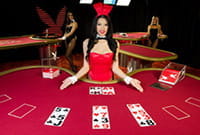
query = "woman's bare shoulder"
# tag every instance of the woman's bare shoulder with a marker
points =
(85, 43)
(117, 43)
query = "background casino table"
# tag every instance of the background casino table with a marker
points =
(46, 45)
(141, 56)
(133, 37)
(146, 53)
(26, 86)
(24, 41)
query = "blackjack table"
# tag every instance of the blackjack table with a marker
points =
(137, 56)
(146, 53)
(174, 111)
(13, 42)
(134, 37)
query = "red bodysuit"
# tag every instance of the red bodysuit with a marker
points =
(100, 66)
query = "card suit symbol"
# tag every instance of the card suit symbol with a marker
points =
(105, 93)
(137, 105)
(49, 121)
(53, 116)
(97, 92)
(61, 117)
(103, 113)
(147, 117)
(58, 109)
(150, 122)
(110, 93)
(96, 114)
(57, 124)
(142, 123)
(105, 120)
(104, 107)
(129, 105)
(96, 126)
(92, 92)
(138, 117)
(65, 110)
(134, 112)
(105, 88)
(106, 126)
(96, 107)
(92, 88)
(96, 120)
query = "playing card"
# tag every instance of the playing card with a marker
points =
(22, 110)
(193, 101)
(4, 98)
(140, 115)
(57, 117)
(101, 90)
(176, 112)
(100, 117)
(108, 91)
(95, 90)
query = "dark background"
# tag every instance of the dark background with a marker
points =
(179, 19)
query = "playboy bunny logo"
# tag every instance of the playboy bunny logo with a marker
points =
(54, 28)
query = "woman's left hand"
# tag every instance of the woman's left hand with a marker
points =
(137, 84)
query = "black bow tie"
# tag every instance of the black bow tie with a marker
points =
(100, 37)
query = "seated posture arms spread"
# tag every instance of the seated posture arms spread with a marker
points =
(101, 56)
(154, 31)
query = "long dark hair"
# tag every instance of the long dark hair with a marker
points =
(92, 39)
(68, 21)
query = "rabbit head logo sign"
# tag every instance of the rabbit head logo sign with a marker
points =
(54, 27)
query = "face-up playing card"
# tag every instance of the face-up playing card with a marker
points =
(57, 117)
(95, 90)
(22, 110)
(140, 115)
(100, 117)
(175, 112)
(108, 91)
(101, 90)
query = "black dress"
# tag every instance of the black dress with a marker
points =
(68, 29)
(153, 34)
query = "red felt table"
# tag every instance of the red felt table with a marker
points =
(24, 41)
(146, 53)
(135, 56)
(133, 37)
(27, 86)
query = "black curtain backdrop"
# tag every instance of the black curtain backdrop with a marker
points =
(179, 19)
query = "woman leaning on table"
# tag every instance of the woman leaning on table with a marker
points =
(154, 31)
(101, 53)
(70, 38)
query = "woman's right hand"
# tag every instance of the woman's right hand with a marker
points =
(62, 38)
(66, 83)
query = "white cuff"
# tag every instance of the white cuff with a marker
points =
(74, 79)
(128, 80)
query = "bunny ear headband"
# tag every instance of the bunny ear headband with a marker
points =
(102, 9)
